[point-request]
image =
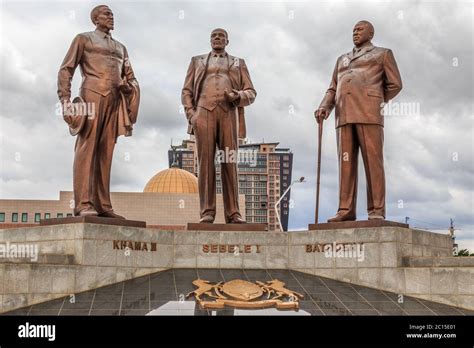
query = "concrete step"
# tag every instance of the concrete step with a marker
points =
(440, 261)
(50, 259)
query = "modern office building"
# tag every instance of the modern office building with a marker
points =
(265, 172)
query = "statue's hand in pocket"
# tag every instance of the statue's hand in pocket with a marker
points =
(192, 117)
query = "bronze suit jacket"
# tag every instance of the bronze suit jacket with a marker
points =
(239, 76)
(360, 83)
(104, 66)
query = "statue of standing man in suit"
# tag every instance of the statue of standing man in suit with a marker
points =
(110, 87)
(216, 88)
(362, 81)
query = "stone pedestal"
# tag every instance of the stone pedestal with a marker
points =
(77, 257)
(82, 256)
(227, 227)
(355, 224)
(92, 220)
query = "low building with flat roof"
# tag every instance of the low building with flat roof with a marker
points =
(170, 200)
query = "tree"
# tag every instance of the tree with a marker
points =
(464, 252)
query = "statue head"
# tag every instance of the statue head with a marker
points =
(219, 39)
(103, 18)
(363, 32)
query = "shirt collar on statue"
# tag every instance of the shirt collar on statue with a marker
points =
(367, 45)
(103, 35)
(220, 55)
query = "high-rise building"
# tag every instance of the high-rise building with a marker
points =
(264, 175)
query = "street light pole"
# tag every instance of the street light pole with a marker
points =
(283, 195)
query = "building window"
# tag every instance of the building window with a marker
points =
(37, 217)
(69, 214)
(60, 215)
(14, 217)
(47, 215)
(2, 217)
(24, 217)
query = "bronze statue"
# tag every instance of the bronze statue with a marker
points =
(363, 79)
(216, 88)
(110, 86)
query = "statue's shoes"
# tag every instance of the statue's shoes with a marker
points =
(236, 219)
(88, 212)
(207, 219)
(111, 214)
(376, 217)
(339, 217)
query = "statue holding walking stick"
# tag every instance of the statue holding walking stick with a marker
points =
(362, 81)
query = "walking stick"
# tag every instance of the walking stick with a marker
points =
(318, 176)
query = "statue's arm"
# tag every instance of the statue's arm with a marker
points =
(131, 87)
(66, 71)
(392, 78)
(187, 93)
(248, 93)
(127, 70)
(329, 99)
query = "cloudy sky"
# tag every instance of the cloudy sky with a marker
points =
(291, 49)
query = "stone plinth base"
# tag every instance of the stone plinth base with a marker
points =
(355, 224)
(92, 220)
(227, 227)
(82, 256)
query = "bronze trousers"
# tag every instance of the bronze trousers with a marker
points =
(93, 153)
(369, 139)
(211, 128)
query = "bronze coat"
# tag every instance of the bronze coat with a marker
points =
(239, 76)
(102, 71)
(360, 83)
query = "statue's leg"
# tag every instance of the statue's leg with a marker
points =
(227, 141)
(106, 137)
(83, 168)
(371, 144)
(348, 152)
(204, 126)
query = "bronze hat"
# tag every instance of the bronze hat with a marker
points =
(77, 117)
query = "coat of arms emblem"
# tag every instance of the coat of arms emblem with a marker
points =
(244, 294)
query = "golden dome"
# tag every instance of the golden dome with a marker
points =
(172, 180)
